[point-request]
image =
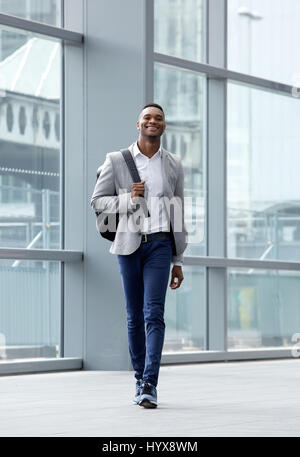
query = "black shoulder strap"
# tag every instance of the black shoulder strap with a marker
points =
(132, 170)
(131, 165)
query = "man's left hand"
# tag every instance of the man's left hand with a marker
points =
(177, 277)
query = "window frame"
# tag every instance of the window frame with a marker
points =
(216, 261)
(70, 259)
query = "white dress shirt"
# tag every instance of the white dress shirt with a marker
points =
(150, 171)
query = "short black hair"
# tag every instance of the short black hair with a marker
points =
(155, 105)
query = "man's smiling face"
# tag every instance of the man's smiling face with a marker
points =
(151, 122)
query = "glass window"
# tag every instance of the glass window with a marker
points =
(263, 38)
(30, 309)
(185, 315)
(263, 308)
(30, 142)
(46, 11)
(182, 95)
(263, 185)
(179, 28)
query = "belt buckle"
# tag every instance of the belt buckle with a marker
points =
(144, 238)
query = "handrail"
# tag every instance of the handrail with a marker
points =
(41, 254)
(223, 262)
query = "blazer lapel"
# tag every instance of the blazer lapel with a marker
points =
(165, 173)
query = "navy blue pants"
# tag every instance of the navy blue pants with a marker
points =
(145, 276)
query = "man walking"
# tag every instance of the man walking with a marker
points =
(145, 246)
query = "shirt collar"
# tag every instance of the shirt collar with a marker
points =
(136, 151)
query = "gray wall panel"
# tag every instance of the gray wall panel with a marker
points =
(74, 185)
(114, 93)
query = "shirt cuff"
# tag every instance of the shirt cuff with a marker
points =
(177, 260)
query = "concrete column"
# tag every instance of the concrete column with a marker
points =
(114, 92)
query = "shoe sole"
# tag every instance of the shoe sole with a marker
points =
(147, 404)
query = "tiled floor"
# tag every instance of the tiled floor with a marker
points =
(209, 399)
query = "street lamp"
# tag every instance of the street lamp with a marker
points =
(251, 16)
(244, 11)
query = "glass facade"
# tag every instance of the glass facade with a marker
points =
(263, 38)
(179, 28)
(46, 11)
(263, 308)
(236, 137)
(183, 97)
(262, 182)
(261, 155)
(185, 314)
(30, 184)
(30, 311)
(262, 174)
(30, 143)
(179, 31)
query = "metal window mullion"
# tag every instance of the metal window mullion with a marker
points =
(38, 28)
(225, 356)
(62, 189)
(39, 365)
(62, 198)
(62, 310)
(148, 63)
(216, 178)
(74, 167)
(219, 72)
(51, 255)
(225, 262)
(62, 13)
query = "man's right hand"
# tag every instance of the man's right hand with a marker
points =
(137, 189)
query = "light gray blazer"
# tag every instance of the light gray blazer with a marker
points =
(112, 193)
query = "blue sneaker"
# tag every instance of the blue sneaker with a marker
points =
(148, 397)
(138, 387)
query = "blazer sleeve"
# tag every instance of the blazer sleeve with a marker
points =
(179, 192)
(104, 198)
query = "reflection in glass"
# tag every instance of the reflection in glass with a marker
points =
(179, 28)
(182, 96)
(263, 308)
(30, 143)
(263, 38)
(29, 309)
(185, 315)
(46, 11)
(263, 185)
